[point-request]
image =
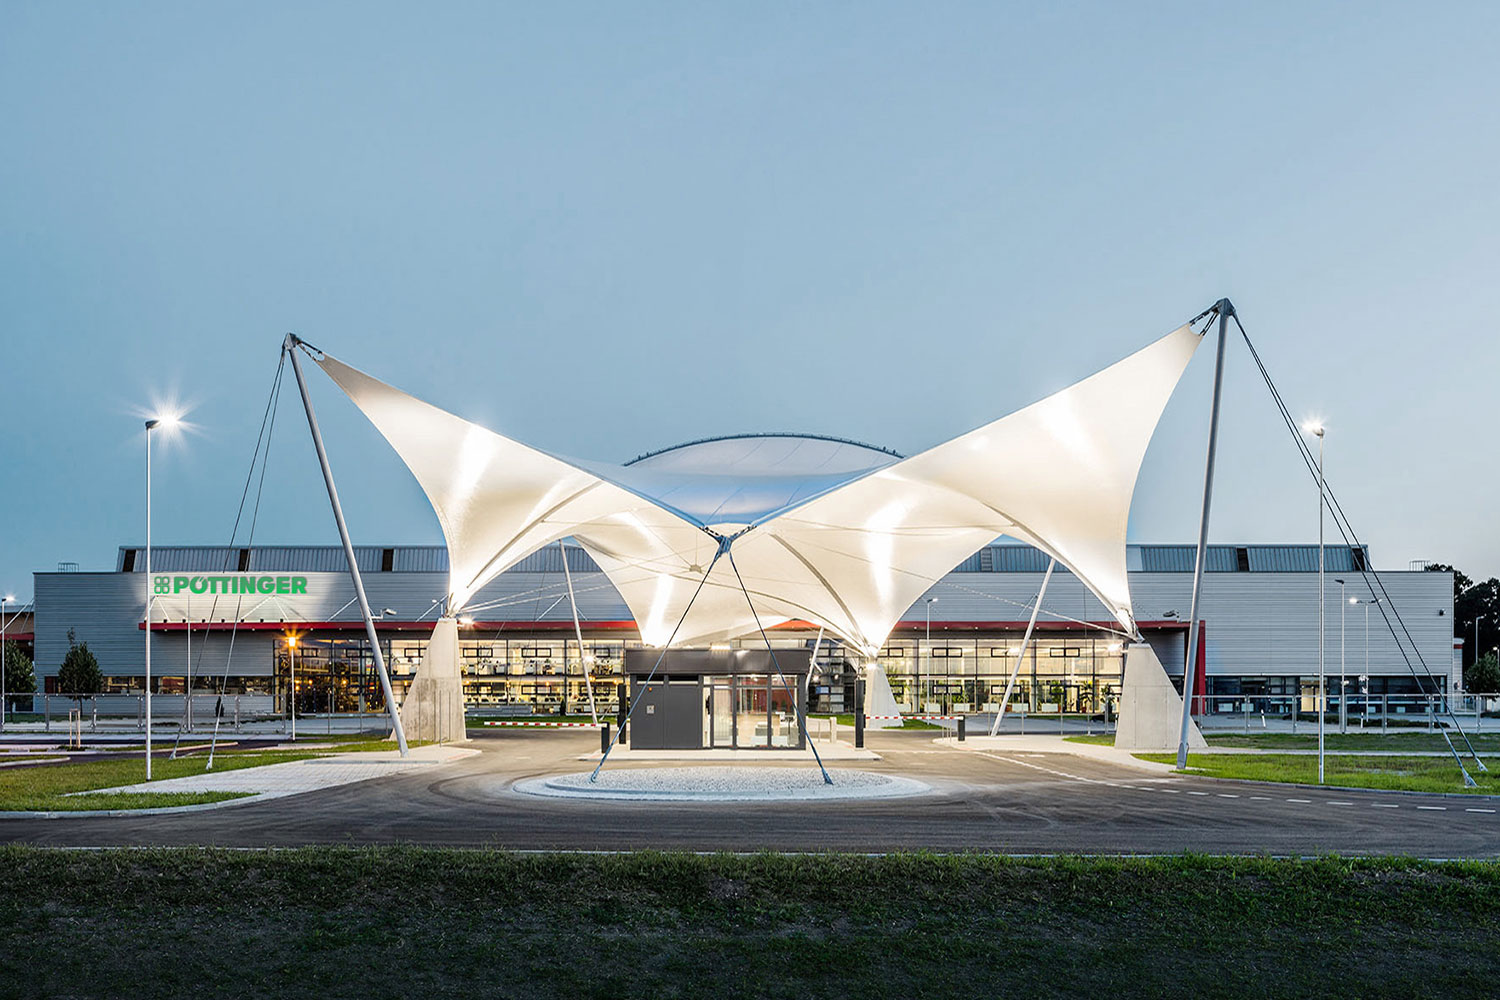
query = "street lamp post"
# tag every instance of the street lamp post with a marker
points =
(1322, 697)
(1343, 684)
(291, 646)
(3, 602)
(166, 422)
(150, 597)
(1364, 679)
(1477, 620)
(930, 602)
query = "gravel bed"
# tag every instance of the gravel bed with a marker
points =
(724, 784)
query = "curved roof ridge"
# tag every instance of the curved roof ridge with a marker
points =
(769, 434)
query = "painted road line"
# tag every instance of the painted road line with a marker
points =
(1341, 803)
(1197, 793)
(1226, 795)
(1301, 802)
(1479, 810)
(1434, 808)
(1384, 805)
(1260, 798)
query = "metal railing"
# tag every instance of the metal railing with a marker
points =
(1353, 712)
(253, 713)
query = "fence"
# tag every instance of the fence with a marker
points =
(253, 713)
(1352, 712)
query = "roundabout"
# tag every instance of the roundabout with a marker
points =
(724, 784)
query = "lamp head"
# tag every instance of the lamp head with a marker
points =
(1313, 427)
(291, 641)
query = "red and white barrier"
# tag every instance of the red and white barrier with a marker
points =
(545, 725)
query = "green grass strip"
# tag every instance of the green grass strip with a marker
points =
(1391, 773)
(400, 922)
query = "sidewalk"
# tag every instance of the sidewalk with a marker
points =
(295, 777)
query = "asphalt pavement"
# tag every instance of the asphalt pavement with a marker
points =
(989, 799)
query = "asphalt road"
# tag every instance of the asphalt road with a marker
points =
(982, 801)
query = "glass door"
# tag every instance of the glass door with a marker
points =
(752, 712)
(720, 714)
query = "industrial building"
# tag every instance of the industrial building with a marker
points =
(238, 612)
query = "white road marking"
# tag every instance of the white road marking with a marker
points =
(1197, 793)
(1226, 795)
(1479, 810)
(1260, 798)
(1341, 803)
(1301, 802)
(1384, 805)
(1434, 808)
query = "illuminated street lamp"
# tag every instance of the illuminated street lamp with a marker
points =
(167, 422)
(1365, 679)
(930, 602)
(1316, 429)
(1343, 684)
(291, 647)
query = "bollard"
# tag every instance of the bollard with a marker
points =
(604, 736)
(859, 714)
(961, 721)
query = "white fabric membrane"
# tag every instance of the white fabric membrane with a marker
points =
(838, 535)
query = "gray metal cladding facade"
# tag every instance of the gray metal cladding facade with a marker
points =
(1258, 623)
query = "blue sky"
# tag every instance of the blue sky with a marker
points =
(607, 228)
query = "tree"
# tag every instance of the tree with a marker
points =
(1483, 677)
(20, 677)
(79, 675)
(1473, 601)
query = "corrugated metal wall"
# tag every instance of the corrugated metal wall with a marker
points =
(1258, 623)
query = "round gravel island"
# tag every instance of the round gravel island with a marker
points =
(724, 784)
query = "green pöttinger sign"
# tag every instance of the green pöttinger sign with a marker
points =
(234, 583)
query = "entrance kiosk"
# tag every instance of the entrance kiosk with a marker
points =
(702, 699)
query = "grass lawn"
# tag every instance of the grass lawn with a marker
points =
(1390, 743)
(401, 922)
(1416, 774)
(1098, 740)
(46, 787)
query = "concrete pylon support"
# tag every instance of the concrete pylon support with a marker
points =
(434, 705)
(1150, 707)
(880, 703)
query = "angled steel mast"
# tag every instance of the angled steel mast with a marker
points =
(1224, 310)
(290, 346)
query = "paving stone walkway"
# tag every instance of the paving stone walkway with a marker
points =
(295, 777)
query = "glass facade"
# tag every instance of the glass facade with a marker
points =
(546, 675)
(1068, 674)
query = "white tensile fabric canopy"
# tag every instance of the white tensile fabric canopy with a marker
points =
(835, 534)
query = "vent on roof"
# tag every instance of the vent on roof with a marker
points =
(244, 560)
(127, 566)
(1242, 559)
(72, 567)
(387, 560)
